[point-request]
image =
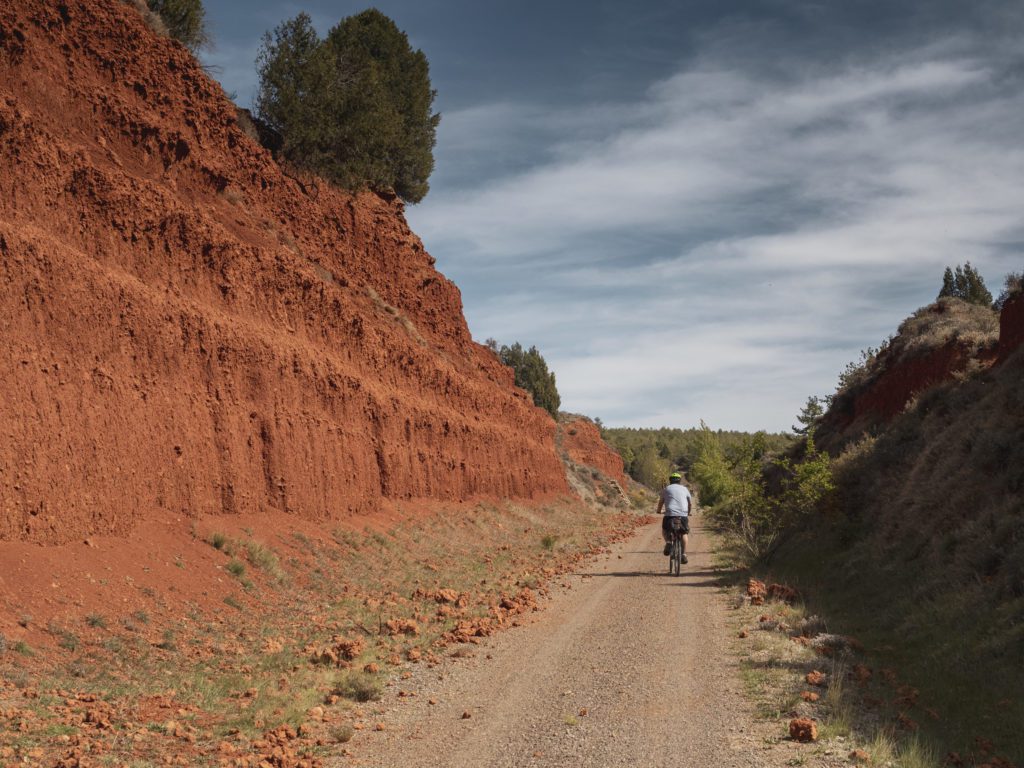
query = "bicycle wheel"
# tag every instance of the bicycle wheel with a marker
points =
(671, 556)
(677, 555)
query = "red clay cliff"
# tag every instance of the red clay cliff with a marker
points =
(582, 440)
(189, 329)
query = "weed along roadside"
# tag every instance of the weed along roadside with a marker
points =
(310, 631)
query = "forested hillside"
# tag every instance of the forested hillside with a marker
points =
(649, 455)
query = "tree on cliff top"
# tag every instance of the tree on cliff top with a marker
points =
(965, 283)
(531, 373)
(185, 20)
(355, 107)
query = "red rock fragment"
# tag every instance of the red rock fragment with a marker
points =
(816, 677)
(803, 729)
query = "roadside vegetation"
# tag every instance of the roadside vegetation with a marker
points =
(289, 667)
(905, 531)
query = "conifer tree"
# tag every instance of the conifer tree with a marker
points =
(532, 374)
(355, 107)
(965, 283)
(948, 285)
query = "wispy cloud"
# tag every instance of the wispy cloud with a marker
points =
(720, 247)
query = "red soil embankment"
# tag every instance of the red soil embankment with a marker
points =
(889, 394)
(1011, 326)
(190, 330)
(582, 440)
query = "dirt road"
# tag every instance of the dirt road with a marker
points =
(629, 667)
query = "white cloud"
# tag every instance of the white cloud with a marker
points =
(728, 237)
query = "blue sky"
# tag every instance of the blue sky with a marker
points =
(703, 210)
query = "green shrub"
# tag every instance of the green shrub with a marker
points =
(358, 685)
(235, 567)
(185, 21)
(531, 373)
(355, 107)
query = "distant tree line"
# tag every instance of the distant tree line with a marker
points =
(650, 455)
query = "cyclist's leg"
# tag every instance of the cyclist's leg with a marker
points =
(666, 533)
(685, 536)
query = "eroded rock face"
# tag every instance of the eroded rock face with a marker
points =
(189, 329)
(581, 439)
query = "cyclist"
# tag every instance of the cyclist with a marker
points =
(676, 501)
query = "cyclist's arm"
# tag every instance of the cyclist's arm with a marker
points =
(661, 503)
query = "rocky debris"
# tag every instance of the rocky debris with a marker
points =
(442, 596)
(756, 591)
(783, 593)
(816, 677)
(831, 645)
(402, 627)
(860, 756)
(803, 729)
(906, 722)
(340, 651)
(809, 696)
(860, 674)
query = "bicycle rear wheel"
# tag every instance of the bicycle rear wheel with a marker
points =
(677, 555)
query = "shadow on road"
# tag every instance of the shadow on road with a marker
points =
(684, 579)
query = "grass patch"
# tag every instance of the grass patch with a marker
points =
(235, 567)
(358, 685)
(264, 558)
(168, 641)
(231, 601)
(96, 620)
(548, 541)
(218, 540)
(342, 734)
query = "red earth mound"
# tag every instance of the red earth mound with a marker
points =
(190, 329)
(1011, 326)
(581, 439)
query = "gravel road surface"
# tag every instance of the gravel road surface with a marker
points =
(628, 667)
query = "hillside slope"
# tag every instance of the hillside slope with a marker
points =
(190, 330)
(923, 558)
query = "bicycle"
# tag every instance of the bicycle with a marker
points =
(676, 552)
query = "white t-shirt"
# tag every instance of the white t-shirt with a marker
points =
(677, 500)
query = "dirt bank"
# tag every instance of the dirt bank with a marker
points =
(191, 330)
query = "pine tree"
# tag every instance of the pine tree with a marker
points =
(948, 284)
(355, 107)
(809, 416)
(532, 374)
(965, 283)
